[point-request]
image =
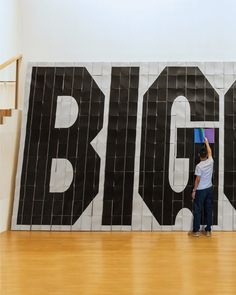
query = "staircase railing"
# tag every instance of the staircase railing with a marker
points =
(10, 130)
(15, 59)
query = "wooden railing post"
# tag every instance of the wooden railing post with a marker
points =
(17, 83)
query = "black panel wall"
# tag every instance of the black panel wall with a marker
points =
(112, 175)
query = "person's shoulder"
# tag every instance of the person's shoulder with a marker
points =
(210, 159)
(199, 165)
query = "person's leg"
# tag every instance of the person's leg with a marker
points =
(204, 216)
(208, 204)
(197, 208)
(204, 219)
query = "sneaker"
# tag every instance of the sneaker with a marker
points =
(196, 234)
(208, 233)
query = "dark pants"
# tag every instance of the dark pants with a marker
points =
(203, 199)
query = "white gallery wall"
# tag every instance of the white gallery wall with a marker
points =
(9, 25)
(9, 41)
(134, 30)
(103, 30)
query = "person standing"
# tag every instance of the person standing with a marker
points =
(202, 193)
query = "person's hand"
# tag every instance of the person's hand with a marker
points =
(205, 140)
(193, 195)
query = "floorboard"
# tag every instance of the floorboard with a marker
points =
(134, 263)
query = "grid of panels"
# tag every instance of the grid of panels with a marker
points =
(39, 207)
(154, 185)
(119, 169)
(230, 145)
(43, 142)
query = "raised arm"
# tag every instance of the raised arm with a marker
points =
(208, 147)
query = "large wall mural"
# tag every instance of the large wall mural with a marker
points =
(110, 146)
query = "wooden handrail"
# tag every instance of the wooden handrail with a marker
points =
(10, 61)
(16, 59)
(4, 113)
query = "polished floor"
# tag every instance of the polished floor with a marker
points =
(66, 263)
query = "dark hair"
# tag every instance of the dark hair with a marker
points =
(203, 152)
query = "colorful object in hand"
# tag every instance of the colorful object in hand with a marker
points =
(201, 133)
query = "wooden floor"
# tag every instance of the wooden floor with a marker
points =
(40, 263)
